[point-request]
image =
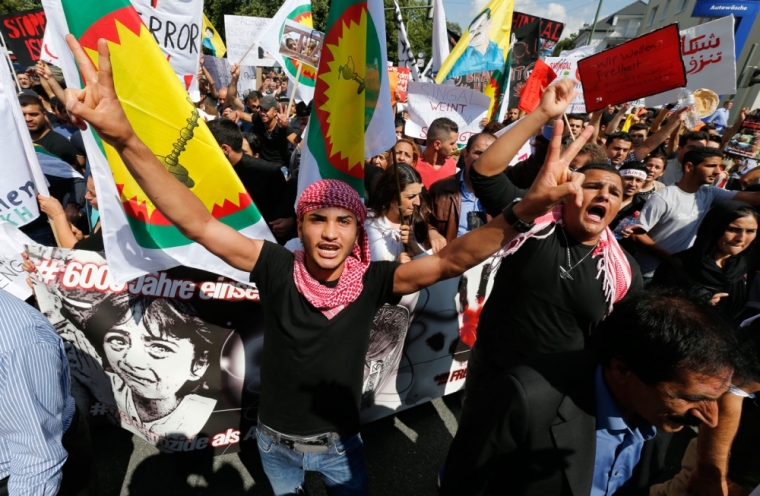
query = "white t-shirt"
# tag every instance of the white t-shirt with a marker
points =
(673, 172)
(671, 218)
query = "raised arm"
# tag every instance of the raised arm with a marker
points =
(618, 117)
(554, 182)
(658, 137)
(231, 100)
(98, 106)
(553, 104)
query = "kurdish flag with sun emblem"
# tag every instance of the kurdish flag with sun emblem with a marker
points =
(138, 238)
(351, 116)
(297, 11)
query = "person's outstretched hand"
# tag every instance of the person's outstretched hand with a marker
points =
(555, 180)
(557, 98)
(97, 104)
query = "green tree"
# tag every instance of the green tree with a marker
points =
(419, 28)
(564, 44)
(8, 6)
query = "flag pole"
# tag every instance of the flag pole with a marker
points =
(295, 87)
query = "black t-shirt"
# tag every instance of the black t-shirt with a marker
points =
(267, 186)
(60, 147)
(94, 242)
(274, 144)
(312, 368)
(532, 311)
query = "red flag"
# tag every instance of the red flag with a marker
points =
(541, 77)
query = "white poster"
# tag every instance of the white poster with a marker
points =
(21, 178)
(567, 68)
(709, 57)
(242, 31)
(12, 277)
(429, 101)
(176, 26)
(47, 52)
(220, 73)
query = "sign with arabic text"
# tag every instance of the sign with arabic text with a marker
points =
(708, 54)
(644, 66)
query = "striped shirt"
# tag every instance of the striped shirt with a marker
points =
(36, 406)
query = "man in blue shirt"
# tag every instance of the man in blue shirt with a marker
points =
(38, 419)
(720, 116)
(455, 208)
(598, 421)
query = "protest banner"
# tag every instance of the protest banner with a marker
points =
(176, 27)
(549, 31)
(746, 143)
(708, 54)
(22, 177)
(201, 336)
(540, 78)
(644, 66)
(402, 80)
(301, 43)
(429, 101)
(23, 33)
(241, 31)
(567, 68)
(12, 276)
(524, 55)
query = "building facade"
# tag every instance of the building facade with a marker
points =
(615, 29)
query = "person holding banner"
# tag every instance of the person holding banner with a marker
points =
(318, 303)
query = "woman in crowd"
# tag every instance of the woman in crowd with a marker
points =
(655, 165)
(405, 151)
(718, 262)
(387, 239)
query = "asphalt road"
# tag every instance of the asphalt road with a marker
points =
(404, 453)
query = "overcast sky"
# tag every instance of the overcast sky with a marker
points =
(572, 12)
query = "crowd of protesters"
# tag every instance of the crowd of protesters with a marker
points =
(622, 310)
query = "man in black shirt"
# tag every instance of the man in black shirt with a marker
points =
(263, 180)
(272, 129)
(551, 289)
(42, 134)
(318, 303)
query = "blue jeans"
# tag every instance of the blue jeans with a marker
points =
(342, 466)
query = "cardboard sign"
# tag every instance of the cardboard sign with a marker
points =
(429, 101)
(567, 68)
(241, 32)
(644, 66)
(301, 43)
(176, 27)
(23, 32)
(708, 54)
(540, 78)
(402, 79)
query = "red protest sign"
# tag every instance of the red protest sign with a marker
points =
(403, 74)
(644, 66)
(541, 76)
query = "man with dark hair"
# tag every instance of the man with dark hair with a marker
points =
(591, 153)
(576, 123)
(669, 221)
(599, 422)
(455, 209)
(618, 145)
(435, 162)
(42, 133)
(638, 133)
(719, 118)
(641, 143)
(512, 115)
(24, 81)
(263, 180)
(271, 127)
(674, 169)
(633, 175)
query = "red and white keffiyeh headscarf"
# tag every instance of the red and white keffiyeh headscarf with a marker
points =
(613, 262)
(330, 301)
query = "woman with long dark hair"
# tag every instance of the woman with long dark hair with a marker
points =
(718, 262)
(384, 224)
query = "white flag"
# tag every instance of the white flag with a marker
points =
(22, 178)
(406, 56)
(440, 36)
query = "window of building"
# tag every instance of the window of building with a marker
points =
(681, 5)
(665, 10)
(652, 15)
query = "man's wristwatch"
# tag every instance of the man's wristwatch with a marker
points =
(517, 224)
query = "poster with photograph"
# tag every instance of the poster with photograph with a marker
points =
(746, 143)
(175, 357)
(301, 43)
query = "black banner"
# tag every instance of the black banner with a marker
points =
(549, 31)
(23, 32)
(525, 52)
